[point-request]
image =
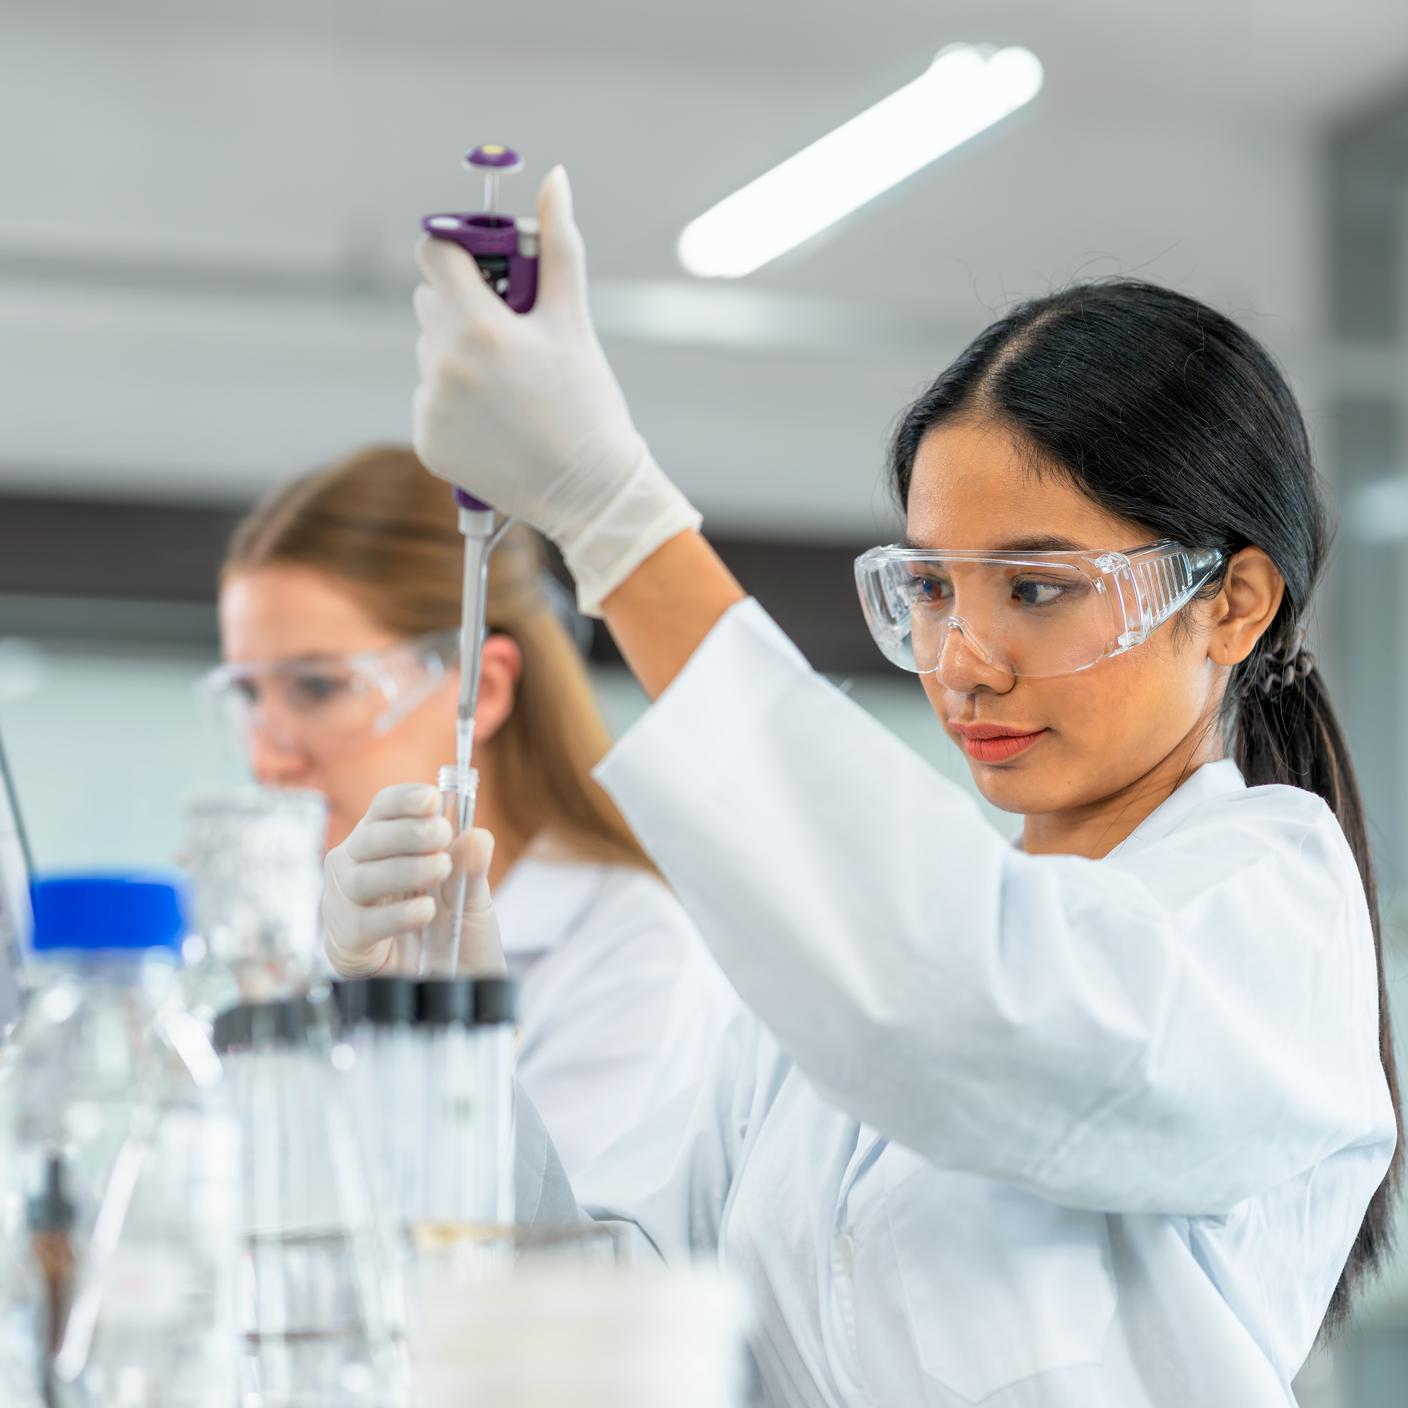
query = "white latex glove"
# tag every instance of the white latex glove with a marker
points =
(380, 887)
(524, 412)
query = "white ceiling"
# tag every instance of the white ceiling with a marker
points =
(1298, 59)
(207, 212)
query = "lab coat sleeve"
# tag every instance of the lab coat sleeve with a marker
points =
(626, 1016)
(663, 1186)
(1172, 1033)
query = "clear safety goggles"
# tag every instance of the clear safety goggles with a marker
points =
(325, 704)
(1026, 613)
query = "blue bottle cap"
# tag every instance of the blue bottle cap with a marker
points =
(101, 913)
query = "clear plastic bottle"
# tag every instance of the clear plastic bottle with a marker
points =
(120, 1195)
(319, 1301)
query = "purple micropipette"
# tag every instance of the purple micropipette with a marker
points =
(506, 250)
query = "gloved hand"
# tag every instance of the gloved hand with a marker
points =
(524, 412)
(380, 887)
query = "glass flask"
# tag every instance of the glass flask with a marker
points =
(319, 1296)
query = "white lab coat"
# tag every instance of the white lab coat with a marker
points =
(620, 1006)
(1040, 1132)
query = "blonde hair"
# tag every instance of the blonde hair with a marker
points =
(387, 531)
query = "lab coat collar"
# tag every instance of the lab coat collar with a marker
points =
(542, 898)
(1219, 779)
(1211, 780)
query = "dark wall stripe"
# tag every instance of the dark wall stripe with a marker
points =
(85, 547)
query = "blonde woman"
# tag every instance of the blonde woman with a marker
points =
(339, 607)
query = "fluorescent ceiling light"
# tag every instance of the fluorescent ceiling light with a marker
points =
(965, 90)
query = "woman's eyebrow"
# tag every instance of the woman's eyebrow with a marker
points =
(1045, 542)
(312, 659)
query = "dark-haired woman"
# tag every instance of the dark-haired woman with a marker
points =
(1106, 1118)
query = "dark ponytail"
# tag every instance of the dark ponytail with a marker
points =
(1285, 730)
(1170, 415)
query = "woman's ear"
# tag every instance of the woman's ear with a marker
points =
(1246, 606)
(499, 672)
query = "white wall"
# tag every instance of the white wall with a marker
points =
(105, 743)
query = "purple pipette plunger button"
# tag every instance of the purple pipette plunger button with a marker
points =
(492, 157)
(464, 500)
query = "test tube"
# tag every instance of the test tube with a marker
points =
(377, 1016)
(449, 1108)
(392, 1009)
(465, 1038)
(440, 939)
(495, 1037)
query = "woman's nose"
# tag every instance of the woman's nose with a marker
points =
(272, 760)
(965, 664)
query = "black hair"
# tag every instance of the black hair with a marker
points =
(1168, 414)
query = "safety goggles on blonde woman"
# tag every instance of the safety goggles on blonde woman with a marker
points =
(322, 705)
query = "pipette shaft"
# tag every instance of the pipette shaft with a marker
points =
(479, 530)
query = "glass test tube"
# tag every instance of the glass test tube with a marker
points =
(465, 1037)
(440, 939)
(496, 1035)
(377, 1016)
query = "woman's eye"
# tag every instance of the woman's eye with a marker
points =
(1031, 593)
(309, 691)
(927, 591)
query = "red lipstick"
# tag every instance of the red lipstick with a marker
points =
(992, 743)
